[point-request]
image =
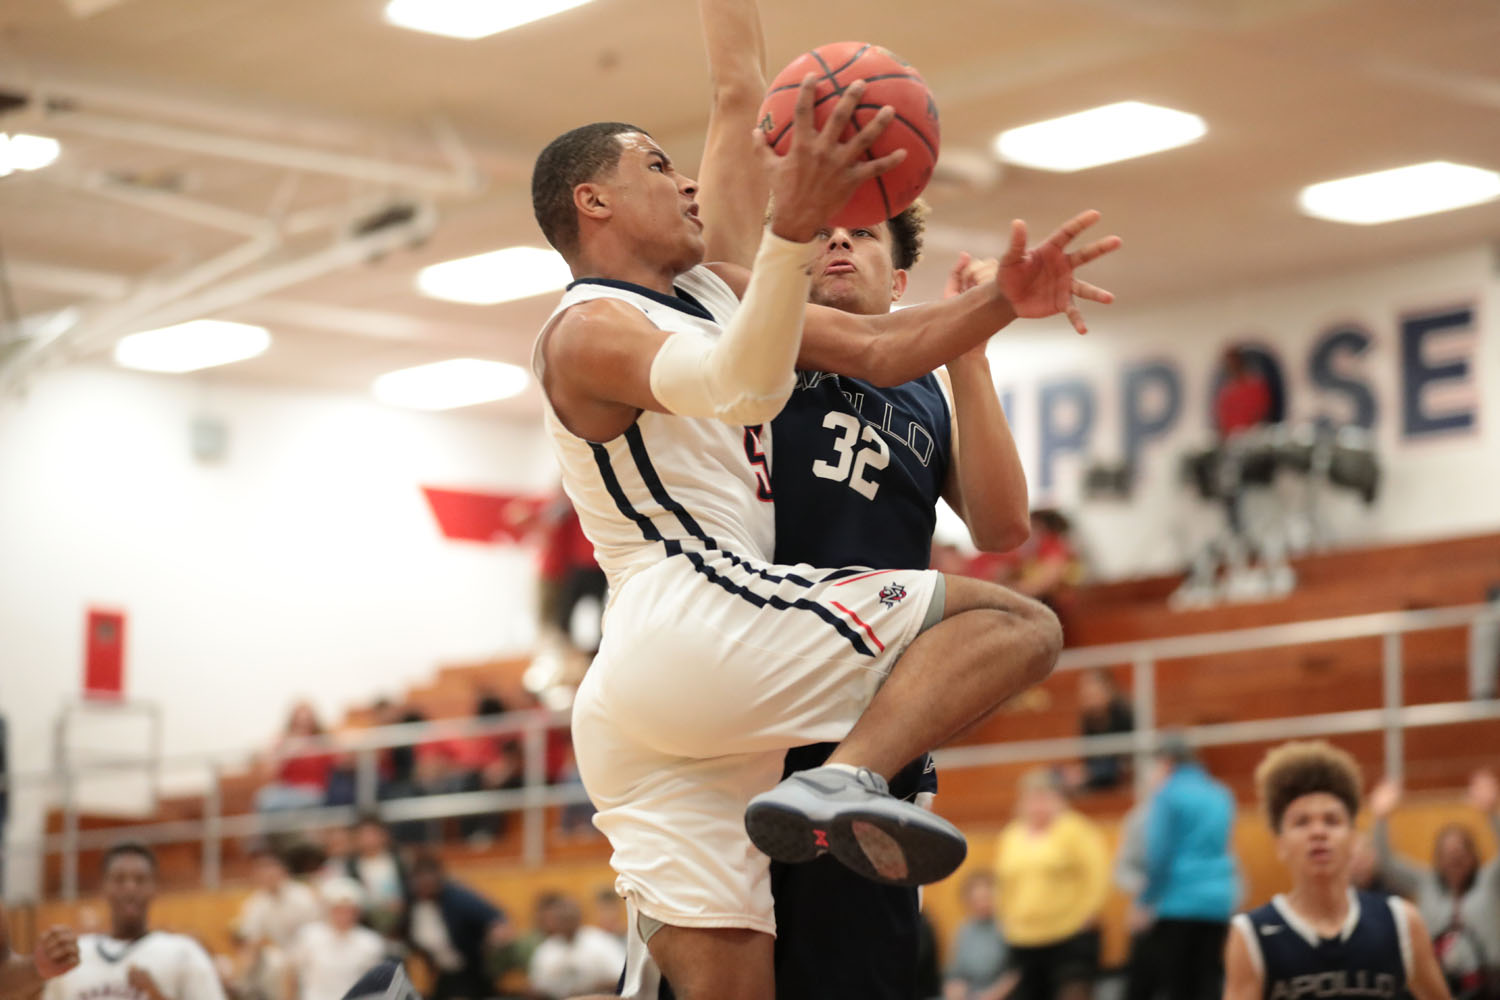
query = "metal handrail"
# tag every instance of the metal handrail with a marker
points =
(1393, 718)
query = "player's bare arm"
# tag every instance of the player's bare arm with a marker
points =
(907, 344)
(1424, 979)
(986, 483)
(1242, 981)
(734, 181)
(604, 365)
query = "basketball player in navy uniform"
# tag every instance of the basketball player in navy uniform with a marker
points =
(859, 468)
(1324, 939)
(21, 977)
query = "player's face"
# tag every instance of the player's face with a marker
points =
(656, 204)
(129, 887)
(854, 272)
(1316, 839)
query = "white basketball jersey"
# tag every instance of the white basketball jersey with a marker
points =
(181, 968)
(669, 484)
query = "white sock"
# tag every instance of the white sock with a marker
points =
(847, 768)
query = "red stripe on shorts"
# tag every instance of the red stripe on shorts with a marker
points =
(860, 622)
(866, 576)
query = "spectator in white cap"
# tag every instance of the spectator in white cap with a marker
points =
(328, 956)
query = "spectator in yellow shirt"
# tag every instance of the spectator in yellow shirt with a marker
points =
(1054, 877)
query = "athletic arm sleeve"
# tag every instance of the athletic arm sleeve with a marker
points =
(747, 375)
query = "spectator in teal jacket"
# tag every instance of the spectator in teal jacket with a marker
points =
(1192, 881)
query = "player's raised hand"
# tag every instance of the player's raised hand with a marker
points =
(1384, 798)
(821, 170)
(56, 952)
(1484, 791)
(1040, 281)
(970, 272)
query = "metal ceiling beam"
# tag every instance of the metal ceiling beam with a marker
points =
(274, 154)
(169, 203)
(67, 280)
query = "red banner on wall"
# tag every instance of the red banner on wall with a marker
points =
(492, 518)
(104, 654)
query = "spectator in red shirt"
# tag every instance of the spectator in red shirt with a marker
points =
(1244, 400)
(296, 773)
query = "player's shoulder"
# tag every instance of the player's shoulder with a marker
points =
(180, 944)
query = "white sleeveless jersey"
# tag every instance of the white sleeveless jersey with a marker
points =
(669, 484)
(180, 967)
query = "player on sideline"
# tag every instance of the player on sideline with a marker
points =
(658, 373)
(1324, 939)
(132, 961)
(859, 469)
(22, 978)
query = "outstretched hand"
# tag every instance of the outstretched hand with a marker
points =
(1039, 282)
(821, 170)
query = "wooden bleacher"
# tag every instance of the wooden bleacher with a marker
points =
(1265, 684)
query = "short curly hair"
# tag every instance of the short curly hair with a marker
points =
(907, 230)
(1300, 768)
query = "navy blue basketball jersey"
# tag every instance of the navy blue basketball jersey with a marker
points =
(858, 470)
(1368, 959)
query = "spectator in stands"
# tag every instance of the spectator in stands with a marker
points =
(1192, 880)
(279, 907)
(1458, 898)
(296, 773)
(1364, 867)
(451, 927)
(572, 958)
(1142, 978)
(1053, 880)
(338, 848)
(1046, 566)
(492, 763)
(255, 970)
(330, 955)
(1103, 711)
(1244, 398)
(379, 871)
(978, 960)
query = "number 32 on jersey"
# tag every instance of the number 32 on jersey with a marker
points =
(859, 449)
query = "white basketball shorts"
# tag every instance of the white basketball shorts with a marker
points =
(712, 666)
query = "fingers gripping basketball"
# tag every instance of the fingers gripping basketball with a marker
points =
(888, 81)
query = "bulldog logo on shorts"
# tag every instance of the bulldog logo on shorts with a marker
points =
(891, 593)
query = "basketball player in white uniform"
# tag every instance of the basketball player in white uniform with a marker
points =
(22, 978)
(659, 374)
(133, 962)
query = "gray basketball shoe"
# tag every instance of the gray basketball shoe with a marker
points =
(854, 818)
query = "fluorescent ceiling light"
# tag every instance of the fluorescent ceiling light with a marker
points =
(1099, 135)
(26, 152)
(497, 276)
(1402, 193)
(187, 347)
(446, 385)
(472, 18)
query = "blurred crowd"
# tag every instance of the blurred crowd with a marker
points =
(1031, 921)
(309, 936)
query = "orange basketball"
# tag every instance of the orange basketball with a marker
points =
(888, 80)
